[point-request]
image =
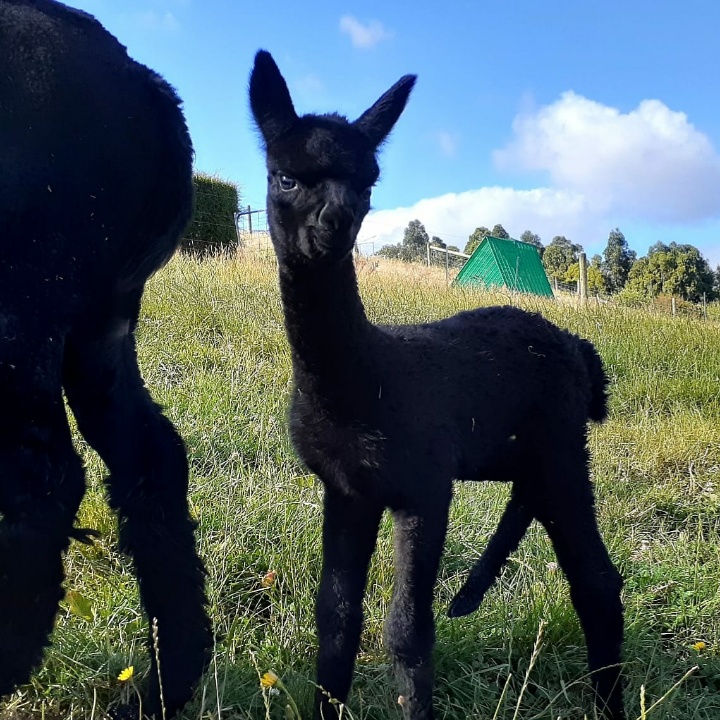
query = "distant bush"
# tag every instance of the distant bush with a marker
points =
(631, 298)
(212, 226)
(663, 304)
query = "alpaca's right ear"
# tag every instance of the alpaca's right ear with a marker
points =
(270, 99)
(377, 122)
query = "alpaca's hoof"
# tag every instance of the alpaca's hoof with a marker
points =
(84, 535)
(462, 604)
(124, 712)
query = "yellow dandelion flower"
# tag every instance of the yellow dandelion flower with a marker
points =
(269, 679)
(699, 646)
(126, 674)
(269, 579)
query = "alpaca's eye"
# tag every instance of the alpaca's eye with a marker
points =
(366, 193)
(287, 183)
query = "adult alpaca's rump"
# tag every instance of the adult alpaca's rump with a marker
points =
(95, 191)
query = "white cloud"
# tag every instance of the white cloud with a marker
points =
(649, 164)
(364, 35)
(309, 87)
(170, 22)
(454, 216)
(448, 143)
(649, 168)
(154, 20)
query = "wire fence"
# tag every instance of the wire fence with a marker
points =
(440, 259)
(252, 232)
(253, 239)
(251, 221)
(451, 261)
(259, 243)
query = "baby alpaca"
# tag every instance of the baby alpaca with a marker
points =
(387, 417)
(95, 191)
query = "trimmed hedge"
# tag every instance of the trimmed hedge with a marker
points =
(212, 225)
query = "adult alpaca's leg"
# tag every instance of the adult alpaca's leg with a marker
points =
(41, 486)
(350, 529)
(148, 486)
(410, 626)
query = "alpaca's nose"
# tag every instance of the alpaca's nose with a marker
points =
(335, 217)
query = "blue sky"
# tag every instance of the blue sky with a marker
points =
(562, 117)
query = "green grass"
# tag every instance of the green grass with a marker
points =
(213, 352)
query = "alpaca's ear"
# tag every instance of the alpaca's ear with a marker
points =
(270, 99)
(378, 121)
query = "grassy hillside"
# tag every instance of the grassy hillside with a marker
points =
(213, 352)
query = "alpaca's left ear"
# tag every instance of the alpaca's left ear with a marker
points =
(270, 100)
(377, 122)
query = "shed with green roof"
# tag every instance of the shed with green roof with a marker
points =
(511, 264)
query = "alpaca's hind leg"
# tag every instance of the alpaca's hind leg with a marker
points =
(410, 626)
(148, 486)
(350, 530)
(41, 486)
(564, 504)
(513, 525)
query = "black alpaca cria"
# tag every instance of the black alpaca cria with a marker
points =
(508, 399)
(95, 190)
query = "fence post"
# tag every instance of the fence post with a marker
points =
(427, 249)
(447, 264)
(236, 218)
(583, 278)
(705, 306)
(672, 304)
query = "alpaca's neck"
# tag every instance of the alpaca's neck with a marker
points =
(327, 328)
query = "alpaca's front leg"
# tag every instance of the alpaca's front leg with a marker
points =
(410, 626)
(41, 486)
(148, 487)
(350, 530)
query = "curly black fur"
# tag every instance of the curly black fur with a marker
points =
(95, 190)
(387, 417)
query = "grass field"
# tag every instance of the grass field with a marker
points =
(213, 352)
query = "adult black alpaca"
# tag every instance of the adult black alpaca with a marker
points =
(95, 190)
(509, 400)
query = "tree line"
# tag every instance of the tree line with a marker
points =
(677, 269)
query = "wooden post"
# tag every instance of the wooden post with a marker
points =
(583, 278)
(428, 254)
(447, 264)
(236, 220)
(249, 213)
(672, 304)
(705, 306)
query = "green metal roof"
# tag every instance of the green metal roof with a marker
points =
(505, 263)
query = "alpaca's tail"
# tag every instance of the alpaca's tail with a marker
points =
(510, 531)
(598, 409)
